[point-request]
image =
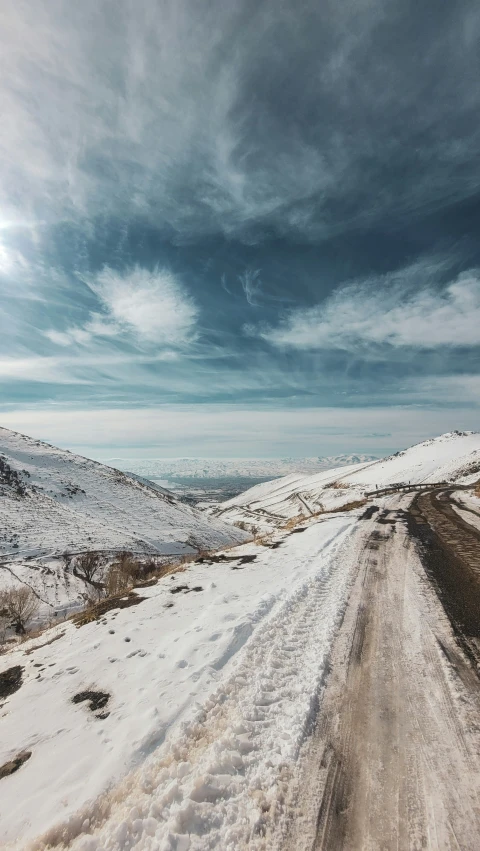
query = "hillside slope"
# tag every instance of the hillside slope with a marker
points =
(52, 502)
(454, 456)
(126, 697)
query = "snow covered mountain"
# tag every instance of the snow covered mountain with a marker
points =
(53, 502)
(218, 468)
(454, 456)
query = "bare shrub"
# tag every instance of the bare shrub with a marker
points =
(116, 580)
(203, 553)
(130, 566)
(340, 486)
(95, 593)
(18, 606)
(3, 623)
(87, 567)
(67, 559)
(294, 521)
(263, 540)
(123, 574)
(477, 489)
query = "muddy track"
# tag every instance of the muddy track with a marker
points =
(450, 552)
(393, 762)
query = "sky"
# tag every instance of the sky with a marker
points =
(239, 227)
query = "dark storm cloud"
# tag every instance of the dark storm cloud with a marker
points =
(247, 118)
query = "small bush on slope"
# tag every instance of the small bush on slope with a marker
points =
(340, 486)
(18, 606)
(87, 567)
(122, 574)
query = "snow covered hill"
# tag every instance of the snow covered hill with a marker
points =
(53, 502)
(454, 456)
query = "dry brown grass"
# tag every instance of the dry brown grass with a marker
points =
(349, 506)
(294, 521)
(338, 486)
(98, 610)
(477, 489)
(263, 540)
(164, 570)
(301, 518)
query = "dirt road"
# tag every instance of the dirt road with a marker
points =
(393, 763)
(450, 550)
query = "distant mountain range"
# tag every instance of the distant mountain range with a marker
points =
(228, 468)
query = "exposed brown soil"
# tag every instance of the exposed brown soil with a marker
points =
(369, 512)
(450, 551)
(221, 559)
(185, 588)
(10, 681)
(14, 764)
(96, 700)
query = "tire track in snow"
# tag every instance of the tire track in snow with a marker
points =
(393, 761)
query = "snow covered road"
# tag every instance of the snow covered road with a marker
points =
(393, 763)
(211, 699)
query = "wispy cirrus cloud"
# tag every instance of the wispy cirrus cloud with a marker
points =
(383, 311)
(251, 285)
(305, 134)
